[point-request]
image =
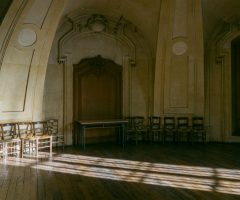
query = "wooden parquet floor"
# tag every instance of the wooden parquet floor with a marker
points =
(109, 171)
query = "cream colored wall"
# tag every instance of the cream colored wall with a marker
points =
(25, 42)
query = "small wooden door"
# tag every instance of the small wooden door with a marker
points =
(97, 95)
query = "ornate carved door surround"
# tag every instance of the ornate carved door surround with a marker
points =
(66, 58)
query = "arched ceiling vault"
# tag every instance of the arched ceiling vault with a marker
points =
(144, 14)
(214, 11)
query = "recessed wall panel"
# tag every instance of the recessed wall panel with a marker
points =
(180, 19)
(179, 75)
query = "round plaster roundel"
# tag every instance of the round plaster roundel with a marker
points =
(179, 48)
(27, 37)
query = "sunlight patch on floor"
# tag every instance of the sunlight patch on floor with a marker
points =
(178, 176)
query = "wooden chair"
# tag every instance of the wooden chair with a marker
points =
(52, 127)
(169, 129)
(183, 129)
(44, 140)
(155, 127)
(198, 130)
(131, 131)
(11, 139)
(28, 141)
(140, 129)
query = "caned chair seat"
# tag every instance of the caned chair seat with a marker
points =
(43, 136)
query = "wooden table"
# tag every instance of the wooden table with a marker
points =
(105, 123)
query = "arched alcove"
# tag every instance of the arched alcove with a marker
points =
(118, 42)
(220, 102)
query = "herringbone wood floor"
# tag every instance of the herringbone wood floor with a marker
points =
(109, 171)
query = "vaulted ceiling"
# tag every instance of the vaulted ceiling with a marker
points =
(214, 11)
(144, 14)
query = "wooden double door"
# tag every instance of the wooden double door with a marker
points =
(97, 94)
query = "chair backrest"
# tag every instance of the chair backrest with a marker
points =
(52, 126)
(39, 128)
(138, 122)
(182, 122)
(155, 122)
(169, 122)
(129, 123)
(24, 129)
(8, 131)
(197, 123)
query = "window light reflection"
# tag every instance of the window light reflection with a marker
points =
(178, 176)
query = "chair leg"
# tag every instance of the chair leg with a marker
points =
(163, 137)
(192, 137)
(204, 133)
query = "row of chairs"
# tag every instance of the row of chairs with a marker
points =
(169, 129)
(22, 137)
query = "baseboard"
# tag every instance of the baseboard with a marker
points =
(234, 139)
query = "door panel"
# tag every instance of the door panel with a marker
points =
(98, 95)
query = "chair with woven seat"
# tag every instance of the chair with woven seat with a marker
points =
(28, 141)
(155, 127)
(44, 140)
(52, 128)
(198, 130)
(183, 129)
(169, 129)
(130, 129)
(140, 128)
(11, 139)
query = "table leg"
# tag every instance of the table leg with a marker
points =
(119, 128)
(77, 133)
(84, 137)
(126, 136)
(123, 133)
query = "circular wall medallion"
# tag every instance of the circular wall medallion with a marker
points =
(27, 37)
(179, 48)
